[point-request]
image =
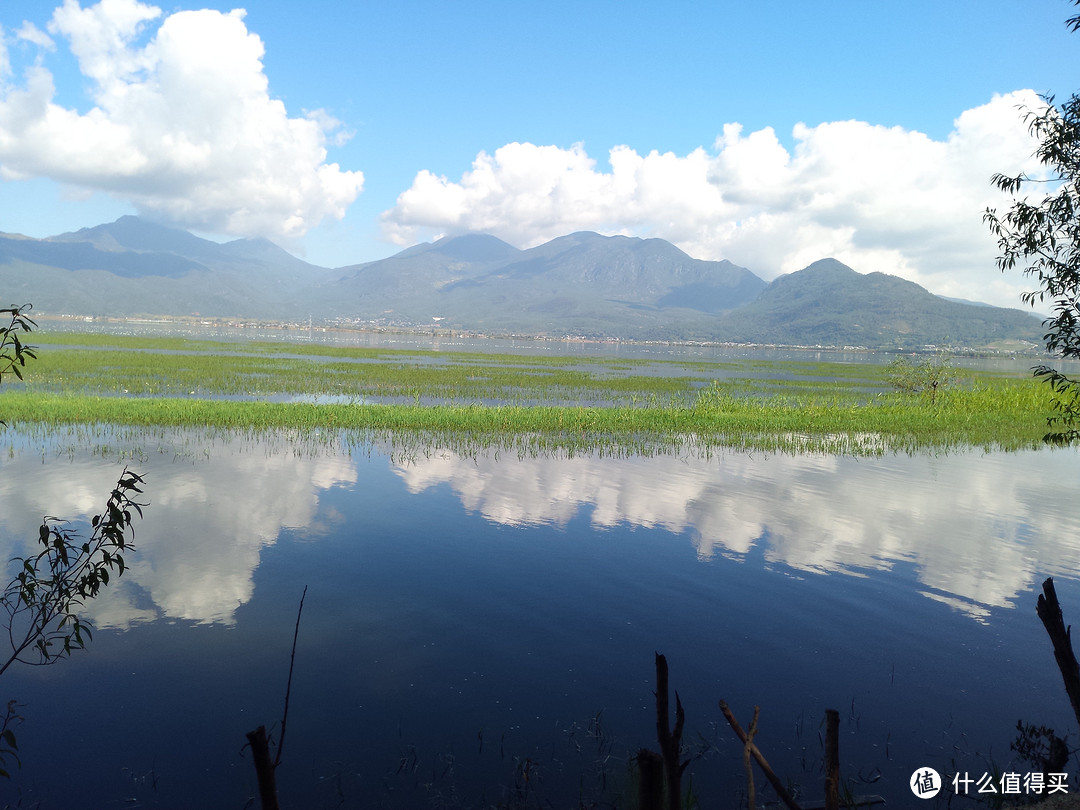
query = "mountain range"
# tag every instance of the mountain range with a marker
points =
(583, 284)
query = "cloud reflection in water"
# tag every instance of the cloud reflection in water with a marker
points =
(203, 533)
(980, 529)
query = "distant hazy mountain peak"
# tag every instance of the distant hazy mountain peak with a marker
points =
(135, 233)
(577, 238)
(258, 244)
(591, 239)
(828, 265)
(467, 247)
(474, 247)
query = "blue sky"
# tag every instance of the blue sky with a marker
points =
(770, 134)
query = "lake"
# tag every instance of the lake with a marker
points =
(473, 621)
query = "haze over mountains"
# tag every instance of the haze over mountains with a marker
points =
(583, 284)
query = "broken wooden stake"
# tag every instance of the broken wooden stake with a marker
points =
(669, 739)
(264, 768)
(650, 780)
(832, 759)
(1049, 610)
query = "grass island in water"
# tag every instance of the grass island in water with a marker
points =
(523, 402)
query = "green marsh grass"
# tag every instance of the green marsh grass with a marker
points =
(525, 403)
(990, 417)
(176, 367)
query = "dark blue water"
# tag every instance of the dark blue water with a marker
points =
(471, 621)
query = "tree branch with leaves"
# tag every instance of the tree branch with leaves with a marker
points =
(1041, 233)
(13, 352)
(45, 599)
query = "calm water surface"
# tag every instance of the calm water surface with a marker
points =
(469, 619)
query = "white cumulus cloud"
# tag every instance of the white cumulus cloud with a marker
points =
(877, 198)
(180, 122)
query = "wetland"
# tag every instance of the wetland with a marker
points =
(563, 403)
(496, 544)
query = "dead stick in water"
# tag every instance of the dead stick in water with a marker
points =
(288, 683)
(746, 759)
(774, 780)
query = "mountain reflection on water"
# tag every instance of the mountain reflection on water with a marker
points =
(575, 561)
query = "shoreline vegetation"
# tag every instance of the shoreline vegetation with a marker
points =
(527, 403)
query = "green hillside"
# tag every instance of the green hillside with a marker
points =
(829, 303)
